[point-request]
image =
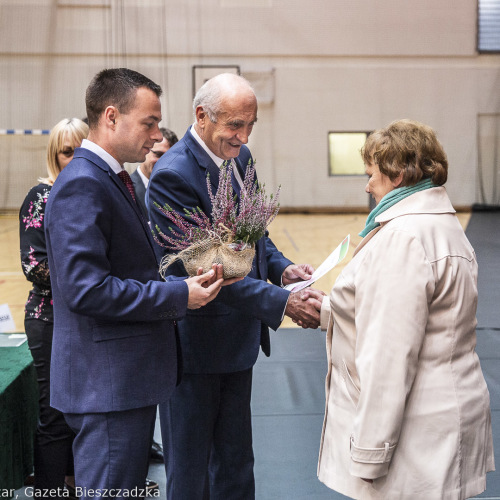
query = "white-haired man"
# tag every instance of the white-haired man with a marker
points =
(206, 426)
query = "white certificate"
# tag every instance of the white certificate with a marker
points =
(327, 265)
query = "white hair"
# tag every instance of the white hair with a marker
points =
(212, 92)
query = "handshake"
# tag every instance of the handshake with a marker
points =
(304, 306)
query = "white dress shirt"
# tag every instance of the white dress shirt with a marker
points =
(104, 155)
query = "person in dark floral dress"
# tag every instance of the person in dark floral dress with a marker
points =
(53, 456)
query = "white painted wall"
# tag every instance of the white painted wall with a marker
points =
(317, 66)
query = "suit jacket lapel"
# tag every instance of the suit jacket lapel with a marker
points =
(241, 168)
(140, 192)
(99, 162)
(206, 163)
(203, 160)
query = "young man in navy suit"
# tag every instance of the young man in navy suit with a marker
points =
(206, 425)
(114, 347)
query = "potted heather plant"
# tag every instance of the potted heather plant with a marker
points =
(229, 235)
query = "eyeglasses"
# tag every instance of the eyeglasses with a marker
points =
(68, 153)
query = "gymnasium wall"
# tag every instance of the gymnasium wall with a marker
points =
(317, 66)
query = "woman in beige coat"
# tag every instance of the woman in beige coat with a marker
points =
(407, 407)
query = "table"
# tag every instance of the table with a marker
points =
(18, 415)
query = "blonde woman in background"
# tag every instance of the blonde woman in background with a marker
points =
(53, 456)
(407, 407)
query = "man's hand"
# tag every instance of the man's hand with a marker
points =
(294, 273)
(218, 270)
(203, 288)
(310, 294)
(305, 311)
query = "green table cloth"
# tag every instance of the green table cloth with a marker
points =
(18, 415)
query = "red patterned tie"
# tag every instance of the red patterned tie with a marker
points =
(125, 177)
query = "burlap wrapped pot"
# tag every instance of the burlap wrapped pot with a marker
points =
(236, 263)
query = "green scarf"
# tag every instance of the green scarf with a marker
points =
(391, 198)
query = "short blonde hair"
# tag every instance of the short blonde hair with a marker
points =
(72, 130)
(408, 147)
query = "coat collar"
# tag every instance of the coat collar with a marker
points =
(430, 201)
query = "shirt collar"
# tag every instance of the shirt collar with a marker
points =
(218, 161)
(104, 155)
(144, 179)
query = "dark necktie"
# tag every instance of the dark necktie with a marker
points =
(125, 178)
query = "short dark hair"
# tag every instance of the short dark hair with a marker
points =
(169, 135)
(115, 87)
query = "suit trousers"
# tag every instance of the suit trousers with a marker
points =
(112, 449)
(53, 456)
(207, 437)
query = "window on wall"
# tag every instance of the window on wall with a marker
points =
(488, 33)
(344, 153)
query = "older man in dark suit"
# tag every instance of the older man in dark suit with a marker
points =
(114, 347)
(206, 425)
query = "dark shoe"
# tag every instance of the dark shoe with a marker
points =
(151, 486)
(29, 480)
(71, 491)
(156, 454)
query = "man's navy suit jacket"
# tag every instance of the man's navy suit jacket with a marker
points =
(114, 344)
(223, 336)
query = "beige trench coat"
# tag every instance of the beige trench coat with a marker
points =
(406, 401)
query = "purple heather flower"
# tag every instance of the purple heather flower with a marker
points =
(244, 221)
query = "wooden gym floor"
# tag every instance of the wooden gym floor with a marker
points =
(303, 238)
